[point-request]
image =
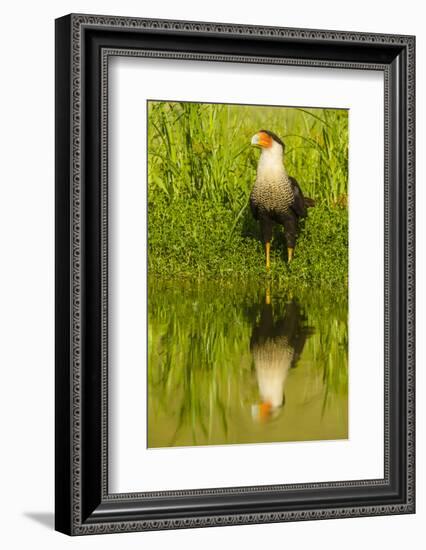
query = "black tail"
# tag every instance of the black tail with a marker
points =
(309, 202)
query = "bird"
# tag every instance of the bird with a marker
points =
(276, 197)
(276, 344)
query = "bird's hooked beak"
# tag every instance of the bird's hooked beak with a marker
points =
(261, 139)
(255, 140)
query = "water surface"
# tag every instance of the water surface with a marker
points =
(236, 363)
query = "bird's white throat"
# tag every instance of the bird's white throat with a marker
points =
(271, 166)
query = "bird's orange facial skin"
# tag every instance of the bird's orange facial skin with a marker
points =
(264, 411)
(265, 140)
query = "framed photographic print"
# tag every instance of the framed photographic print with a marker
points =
(234, 274)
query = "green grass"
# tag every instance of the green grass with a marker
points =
(201, 171)
(198, 240)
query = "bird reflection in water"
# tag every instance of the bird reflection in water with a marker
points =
(276, 344)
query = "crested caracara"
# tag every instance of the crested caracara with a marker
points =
(276, 344)
(276, 196)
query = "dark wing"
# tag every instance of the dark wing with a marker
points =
(254, 208)
(297, 330)
(263, 330)
(298, 206)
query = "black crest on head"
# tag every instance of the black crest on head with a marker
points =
(274, 137)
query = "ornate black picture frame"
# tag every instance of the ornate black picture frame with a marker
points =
(84, 43)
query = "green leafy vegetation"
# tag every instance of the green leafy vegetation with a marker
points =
(192, 239)
(201, 171)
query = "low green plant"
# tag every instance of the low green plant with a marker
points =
(201, 170)
(190, 239)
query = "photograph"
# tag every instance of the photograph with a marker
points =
(234, 274)
(248, 251)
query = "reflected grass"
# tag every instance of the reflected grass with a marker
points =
(201, 379)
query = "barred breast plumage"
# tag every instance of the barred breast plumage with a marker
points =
(272, 195)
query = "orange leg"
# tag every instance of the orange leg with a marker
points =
(268, 249)
(268, 295)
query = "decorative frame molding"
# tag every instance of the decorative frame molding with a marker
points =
(84, 43)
